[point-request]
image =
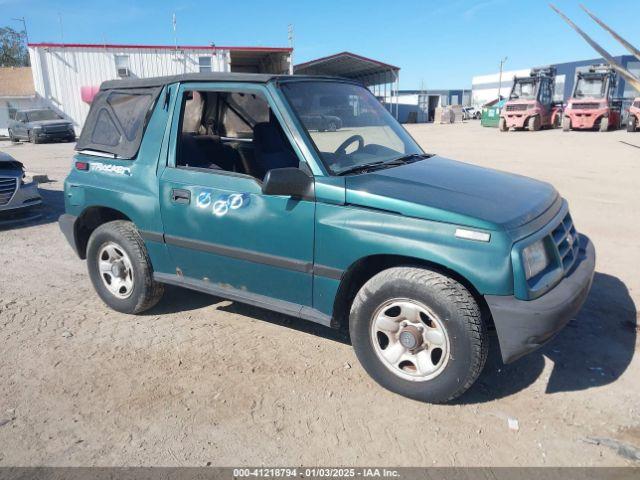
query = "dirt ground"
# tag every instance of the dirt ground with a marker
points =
(202, 380)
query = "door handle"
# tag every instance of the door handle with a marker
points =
(179, 195)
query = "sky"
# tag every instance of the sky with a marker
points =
(436, 43)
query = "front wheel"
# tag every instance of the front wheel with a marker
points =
(566, 124)
(418, 333)
(604, 125)
(631, 123)
(502, 125)
(120, 268)
(533, 124)
(12, 137)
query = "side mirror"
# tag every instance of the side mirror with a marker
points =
(288, 181)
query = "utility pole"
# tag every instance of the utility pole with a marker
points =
(502, 62)
(290, 36)
(24, 27)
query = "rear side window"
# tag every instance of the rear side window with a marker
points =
(117, 120)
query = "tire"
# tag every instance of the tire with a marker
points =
(631, 123)
(502, 125)
(12, 138)
(566, 124)
(453, 315)
(604, 125)
(533, 124)
(122, 236)
(556, 122)
(33, 139)
(332, 127)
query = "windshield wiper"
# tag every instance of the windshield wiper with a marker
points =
(383, 164)
(361, 167)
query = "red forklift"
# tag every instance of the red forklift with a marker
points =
(530, 104)
(633, 117)
(592, 105)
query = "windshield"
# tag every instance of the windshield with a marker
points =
(589, 87)
(348, 125)
(523, 90)
(37, 115)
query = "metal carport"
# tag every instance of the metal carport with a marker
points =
(381, 78)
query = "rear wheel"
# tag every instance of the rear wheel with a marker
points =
(631, 123)
(604, 125)
(566, 124)
(332, 127)
(418, 333)
(12, 137)
(533, 124)
(502, 125)
(120, 268)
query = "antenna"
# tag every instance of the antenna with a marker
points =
(290, 35)
(61, 28)
(174, 24)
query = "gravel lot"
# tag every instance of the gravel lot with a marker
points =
(200, 379)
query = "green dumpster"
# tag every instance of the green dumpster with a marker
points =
(491, 114)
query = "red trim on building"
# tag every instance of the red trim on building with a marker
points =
(159, 47)
(349, 54)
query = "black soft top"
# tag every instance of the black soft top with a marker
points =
(208, 77)
(120, 111)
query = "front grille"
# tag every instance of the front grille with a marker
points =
(8, 187)
(56, 128)
(516, 108)
(586, 106)
(566, 241)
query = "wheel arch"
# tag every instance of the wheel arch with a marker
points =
(90, 219)
(363, 269)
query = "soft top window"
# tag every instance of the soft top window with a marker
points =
(117, 120)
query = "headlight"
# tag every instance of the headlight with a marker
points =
(535, 259)
(26, 179)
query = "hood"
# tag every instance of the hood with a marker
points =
(50, 122)
(445, 190)
(8, 163)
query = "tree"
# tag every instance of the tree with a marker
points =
(13, 49)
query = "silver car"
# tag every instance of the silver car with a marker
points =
(17, 191)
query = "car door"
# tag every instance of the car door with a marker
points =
(18, 127)
(225, 236)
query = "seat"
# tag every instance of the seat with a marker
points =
(208, 151)
(272, 149)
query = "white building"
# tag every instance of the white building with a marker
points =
(65, 74)
(485, 88)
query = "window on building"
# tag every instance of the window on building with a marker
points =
(205, 64)
(122, 65)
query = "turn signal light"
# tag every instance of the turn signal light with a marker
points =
(84, 166)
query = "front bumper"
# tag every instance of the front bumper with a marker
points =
(53, 136)
(518, 120)
(24, 198)
(585, 119)
(523, 326)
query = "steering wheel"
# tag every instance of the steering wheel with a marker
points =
(342, 149)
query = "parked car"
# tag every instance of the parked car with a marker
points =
(322, 123)
(471, 113)
(18, 192)
(410, 252)
(37, 126)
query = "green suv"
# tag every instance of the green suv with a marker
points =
(223, 183)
